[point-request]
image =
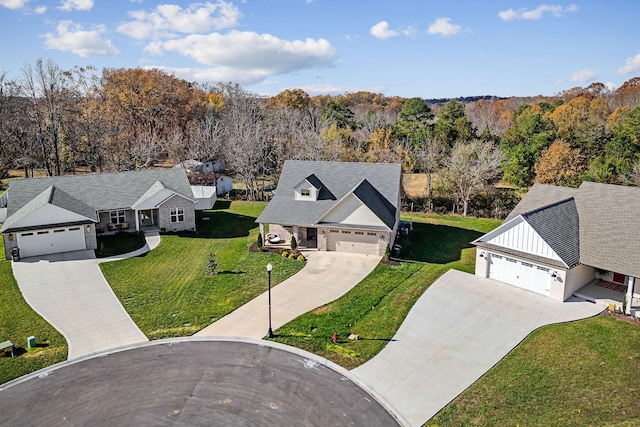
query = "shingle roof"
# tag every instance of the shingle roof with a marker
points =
(375, 201)
(97, 192)
(606, 223)
(338, 179)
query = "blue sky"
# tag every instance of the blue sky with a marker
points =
(425, 48)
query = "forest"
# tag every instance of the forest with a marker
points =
(477, 153)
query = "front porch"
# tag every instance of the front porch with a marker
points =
(609, 294)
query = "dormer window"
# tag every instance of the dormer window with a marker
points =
(305, 192)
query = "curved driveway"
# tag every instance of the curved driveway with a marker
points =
(457, 330)
(326, 277)
(69, 291)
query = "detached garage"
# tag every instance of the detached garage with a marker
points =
(50, 241)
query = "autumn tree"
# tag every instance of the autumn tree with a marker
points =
(429, 153)
(470, 167)
(559, 165)
(452, 124)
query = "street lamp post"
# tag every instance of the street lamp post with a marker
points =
(270, 332)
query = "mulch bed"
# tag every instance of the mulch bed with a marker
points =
(620, 316)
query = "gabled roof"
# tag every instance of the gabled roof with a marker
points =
(375, 201)
(97, 192)
(315, 181)
(337, 179)
(50, 196)
(597, 223)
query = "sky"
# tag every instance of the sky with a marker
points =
(409, 48)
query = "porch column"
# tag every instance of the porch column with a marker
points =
(137, 219)
(295, 233)
(630, 285)
(262, 232)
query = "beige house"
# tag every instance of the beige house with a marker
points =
(336, 206)
(559, 239)
(67, 213)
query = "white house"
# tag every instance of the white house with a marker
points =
(336, 206)
(204, 195)
(559, 239)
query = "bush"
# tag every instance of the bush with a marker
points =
(294, 244)
(259, 241)
(285, 254)
(212, 264)
(292, 256)
(301, 258)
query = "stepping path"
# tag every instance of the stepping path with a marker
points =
(326, 277)
(458, 329)
(69, 291)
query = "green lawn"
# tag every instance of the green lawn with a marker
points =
(573, 374)
(168, 292)
(17, 322)
(119, 243)
(376, 307)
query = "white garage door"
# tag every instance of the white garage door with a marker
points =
(51, 241)
(356, 242)
(521, 274)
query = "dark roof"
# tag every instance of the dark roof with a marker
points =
(603, 220)
(337, 179)
(94, 192)
(375, 201)
(558, 225)
(315, 181)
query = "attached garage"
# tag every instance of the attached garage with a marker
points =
(49, 241)
(353, 241)
(522, 274)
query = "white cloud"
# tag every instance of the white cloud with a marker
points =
(443, 27)
(74, 38)
(632, 66)
(14, 4)
(582, 76)
(40, 10)
(167, 20)
(611, 86)
(535, 14)
(381, 31)
(76, 5)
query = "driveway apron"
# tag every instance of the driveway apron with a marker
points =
(70, 292)
(460, 328)
(326, 277)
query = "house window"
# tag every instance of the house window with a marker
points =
(177, 214)
(346, 232)
(305, 192)
(372, 234)
(333, 231)
(360, 232)
(117, 217)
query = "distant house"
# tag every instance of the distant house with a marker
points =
(66, 213)
(559, 239)
(204, 195)
(336, 206)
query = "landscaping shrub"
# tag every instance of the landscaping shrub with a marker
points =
(292, 256)
(294, 244)
(259, 241)
(212, 264)
(301, 258)
(285, 254)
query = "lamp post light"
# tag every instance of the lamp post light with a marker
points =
(270, 332)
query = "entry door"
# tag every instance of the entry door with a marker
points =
(312, 233)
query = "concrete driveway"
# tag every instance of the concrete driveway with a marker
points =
(326, 277)
(69, 291)
(460, 328)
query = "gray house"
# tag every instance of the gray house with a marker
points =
(559, 239)
(336, 206)
(66, 213)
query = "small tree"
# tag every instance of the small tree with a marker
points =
(294, 244)
(259, 241)
(212, 264)
(387, 252)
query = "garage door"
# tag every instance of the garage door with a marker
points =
(357, 242)
(520, 273)
(56, 240)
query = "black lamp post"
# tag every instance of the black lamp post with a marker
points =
(270, 332)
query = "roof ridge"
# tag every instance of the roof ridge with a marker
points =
(550, 205)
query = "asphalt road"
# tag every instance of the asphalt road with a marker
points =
(192, 383)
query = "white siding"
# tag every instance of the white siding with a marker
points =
(522, 237)
(352, 211)
(49, 214)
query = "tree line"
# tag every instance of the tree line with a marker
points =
(65, 121)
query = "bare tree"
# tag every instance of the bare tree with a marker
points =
(429, 154)
(470, 166)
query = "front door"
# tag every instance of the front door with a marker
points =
(147, 217)
(312, 233)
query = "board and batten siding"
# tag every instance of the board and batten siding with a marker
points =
(352, 211)
(522, 237)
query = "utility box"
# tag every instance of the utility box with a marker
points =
(31, 342)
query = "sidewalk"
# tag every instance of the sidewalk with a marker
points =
(326, 277)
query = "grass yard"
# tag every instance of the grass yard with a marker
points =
(118, 244)
(168, 292)
(376, 307)
(17, 322)
(572, 374)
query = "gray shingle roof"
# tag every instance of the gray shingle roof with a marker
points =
(97, 192)
(606, 224)
(380, 206)
(338, 179)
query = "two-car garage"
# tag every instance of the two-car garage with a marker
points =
(354, 241)
(525, 275)
(49, 241)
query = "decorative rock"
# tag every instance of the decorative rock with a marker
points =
(353, 337)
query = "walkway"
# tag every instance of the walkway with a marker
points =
(460, 328)
(69, 291)
(326, 277)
